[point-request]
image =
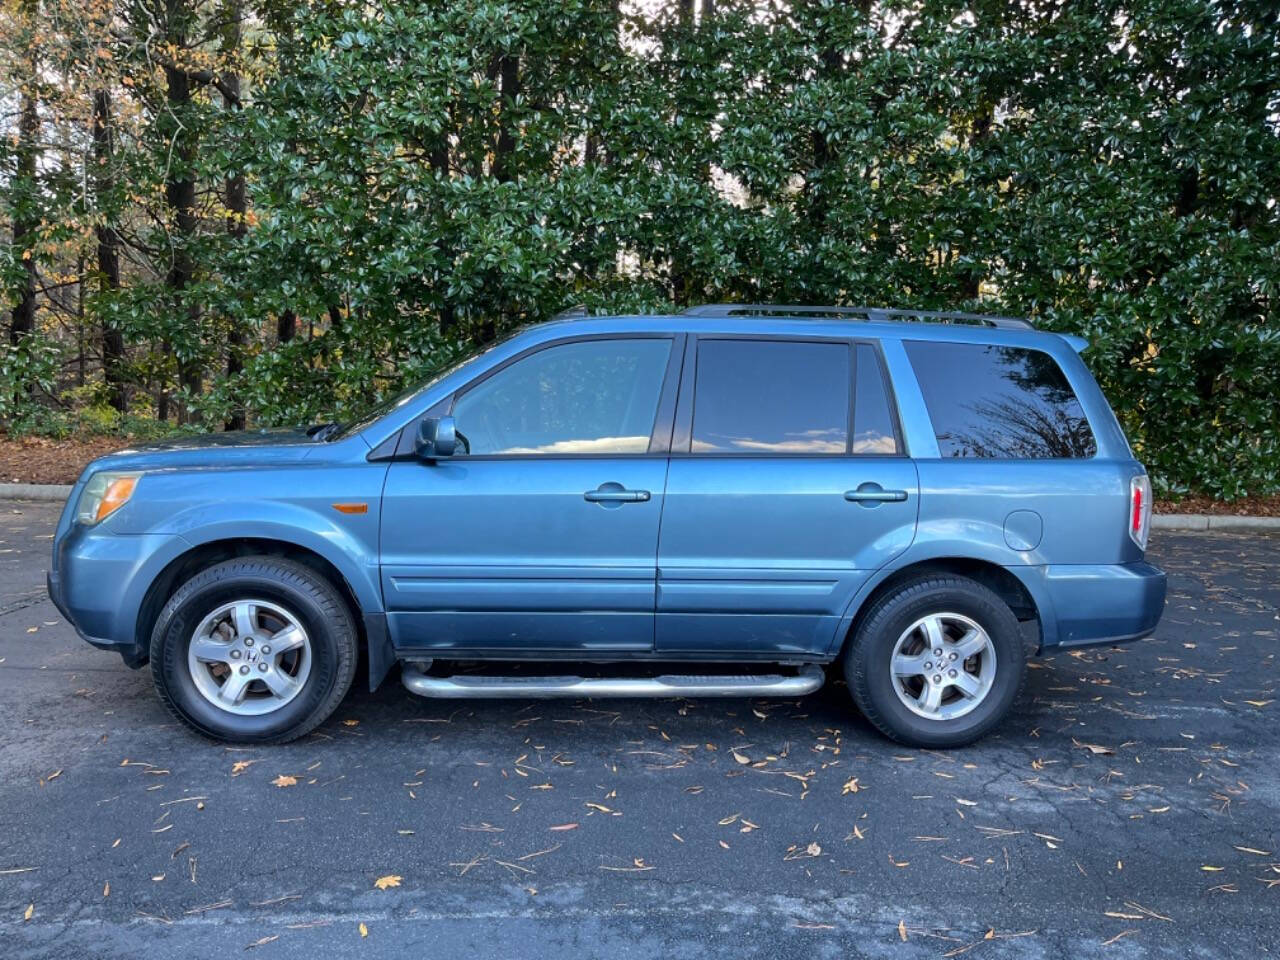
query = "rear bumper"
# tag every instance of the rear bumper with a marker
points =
(1103, 604)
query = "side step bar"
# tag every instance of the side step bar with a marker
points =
(472, 686)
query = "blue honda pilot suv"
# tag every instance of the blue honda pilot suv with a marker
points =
(715, 503)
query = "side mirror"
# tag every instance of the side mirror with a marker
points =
(437, 438)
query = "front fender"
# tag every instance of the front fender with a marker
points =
(352, 551)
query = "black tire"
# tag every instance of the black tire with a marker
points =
(306, 595)
(867, 658)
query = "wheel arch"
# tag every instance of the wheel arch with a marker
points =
(370, 625)
(1017, 594)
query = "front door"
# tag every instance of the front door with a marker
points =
(541, 534)
(787, 490)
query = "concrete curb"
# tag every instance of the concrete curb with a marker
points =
(1212, 521)
(1161, 521)
(34, 491)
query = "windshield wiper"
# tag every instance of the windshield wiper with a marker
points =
(322, 431)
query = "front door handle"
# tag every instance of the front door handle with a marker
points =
(874, 493)
(615, 493)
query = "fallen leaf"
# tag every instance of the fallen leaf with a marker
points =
(31, 909)
(285, 780)
(240, 766)
(263, 941)
(390, 880)
(565, 826)
(1208, 869)
(1094, 748)
(902, 930)
(741, 757)
(106, 889)
(813, 849)
(364, 931)
(850, 786)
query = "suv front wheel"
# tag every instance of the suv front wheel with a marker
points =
(254, 650)
(936, 662)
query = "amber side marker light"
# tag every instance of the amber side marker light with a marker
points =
(116, 496)
(351, 507)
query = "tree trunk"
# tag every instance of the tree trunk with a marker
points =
(108, 267)
(439, 160)
(180, 194)
(504, 161)
(237, 208)
(26, 218)
(830, 67)
(286, 326)
(504, 166)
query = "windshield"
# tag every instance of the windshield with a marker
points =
(384, 407)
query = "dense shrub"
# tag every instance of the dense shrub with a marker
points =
(424, 175)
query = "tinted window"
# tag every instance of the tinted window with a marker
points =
(757, 396)
(872, 421)
(594, 396)
(989, 401)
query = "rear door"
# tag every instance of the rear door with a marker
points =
(787, 488)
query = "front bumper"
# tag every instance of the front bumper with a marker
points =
(1104, 604)
(99, 581)
(131, 652)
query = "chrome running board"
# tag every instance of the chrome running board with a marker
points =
(472, 686)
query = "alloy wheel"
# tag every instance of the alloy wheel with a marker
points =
(943, 666)
(249, 657)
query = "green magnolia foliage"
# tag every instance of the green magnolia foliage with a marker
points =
(30, 364)
(426, 175)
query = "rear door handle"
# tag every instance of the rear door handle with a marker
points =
(609, 494)
(871, 493)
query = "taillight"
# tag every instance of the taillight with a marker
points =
(1140, 510)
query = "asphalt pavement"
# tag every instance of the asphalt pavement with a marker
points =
(1130, 807)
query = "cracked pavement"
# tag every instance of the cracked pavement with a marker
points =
(1128, 808)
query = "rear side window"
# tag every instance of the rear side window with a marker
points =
(873, 431)
(771, 397)
(1001, 402)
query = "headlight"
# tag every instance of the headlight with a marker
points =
(104, 494)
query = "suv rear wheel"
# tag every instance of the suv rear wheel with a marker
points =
(254, 650)
(936, 662)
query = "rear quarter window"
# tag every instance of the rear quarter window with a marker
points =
(1000, 402)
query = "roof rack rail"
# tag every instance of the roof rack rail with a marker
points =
(874, 314)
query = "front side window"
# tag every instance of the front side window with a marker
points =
(771, 397)
(592, 396)
(1001, 402)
